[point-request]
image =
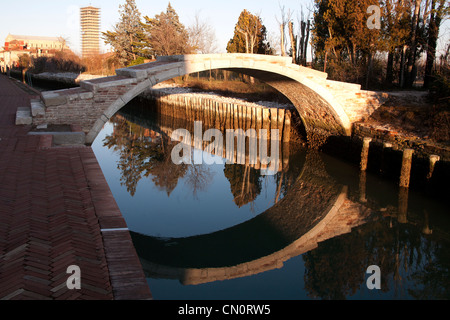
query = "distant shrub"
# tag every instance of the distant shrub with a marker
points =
(440, 89)
(138, 61)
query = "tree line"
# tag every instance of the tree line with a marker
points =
(135, 38)
(335, 32)
(409, 29)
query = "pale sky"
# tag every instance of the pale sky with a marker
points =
(61, 18)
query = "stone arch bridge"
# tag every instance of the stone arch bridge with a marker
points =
(324, 106)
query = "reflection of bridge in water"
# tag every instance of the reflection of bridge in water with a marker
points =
(315, 209)
(167, 125)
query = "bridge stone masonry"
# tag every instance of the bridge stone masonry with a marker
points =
(326, 107)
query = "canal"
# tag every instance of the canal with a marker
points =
(308, 230)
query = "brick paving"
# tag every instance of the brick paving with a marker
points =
(56, 210)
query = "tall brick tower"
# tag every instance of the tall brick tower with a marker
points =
(90, 31)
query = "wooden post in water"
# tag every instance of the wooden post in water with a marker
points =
(239, 116)
(405, 176)
(253, 124)
(387, 147)
(362, 186)
(266, 123)
(426, 226)
(236, 116)
(287, 127)
(249, 117)
(286, 153)
(365, 153)
(403, 205)
(274, 118)
(433, 160)
(228, 116)
(259, 114)
(281, 115)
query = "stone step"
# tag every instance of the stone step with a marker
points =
(23, 116)
(37, 108)
(64, 138)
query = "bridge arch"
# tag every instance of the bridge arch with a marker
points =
(307, 89)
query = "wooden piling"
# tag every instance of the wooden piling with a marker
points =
(365, 153)
(281, 115)
(287, 127)
(403, 205)
(433, 160)
(405, 176)
(274, 118)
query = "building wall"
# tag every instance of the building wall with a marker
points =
(34, 42)
(90, 31)
(16, 45)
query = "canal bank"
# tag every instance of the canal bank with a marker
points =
(56, 212)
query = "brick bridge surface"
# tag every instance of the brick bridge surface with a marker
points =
(56, 210)
(325, 106)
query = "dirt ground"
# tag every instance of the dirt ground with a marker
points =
(411, 113)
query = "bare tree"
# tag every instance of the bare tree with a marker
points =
(293, 38)
(198, 178)
(305, 30)
(63, 41)
(299, 42)
(202, 36)
(283, 23)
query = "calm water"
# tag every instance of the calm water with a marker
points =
(310, 231)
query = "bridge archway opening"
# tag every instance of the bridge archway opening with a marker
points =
(238, 84)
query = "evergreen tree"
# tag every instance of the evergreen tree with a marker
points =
(126, 38)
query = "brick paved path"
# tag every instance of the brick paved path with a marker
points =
(56, 210)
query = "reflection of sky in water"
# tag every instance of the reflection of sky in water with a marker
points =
(153, 212)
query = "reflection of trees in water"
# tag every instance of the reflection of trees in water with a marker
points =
(414, 265)
(198, 178)
(143, 154)
(245, 183)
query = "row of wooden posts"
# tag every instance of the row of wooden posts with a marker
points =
(227, 114)
(238, 155)
(405, 176)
